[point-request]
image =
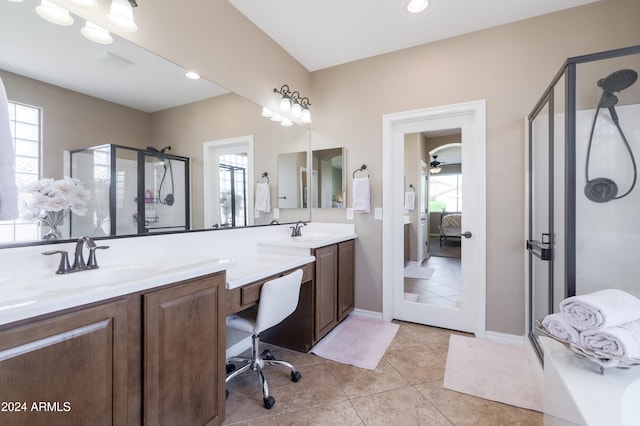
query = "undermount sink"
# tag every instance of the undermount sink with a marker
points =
(89, 278)
(629, 407)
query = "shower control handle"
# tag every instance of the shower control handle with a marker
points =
(466, 234)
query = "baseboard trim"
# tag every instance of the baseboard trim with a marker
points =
(507, 339)
(367, 314)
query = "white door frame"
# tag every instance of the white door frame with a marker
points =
(210, 175)
(392, 205)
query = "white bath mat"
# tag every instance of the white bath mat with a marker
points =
(421, 272)
(493, 371)
(357, 341)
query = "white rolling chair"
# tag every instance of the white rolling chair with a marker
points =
(278, 300)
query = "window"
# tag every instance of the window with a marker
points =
(26, 129)
(445, 192)
(233, 190)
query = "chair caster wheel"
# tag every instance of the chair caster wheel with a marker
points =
(226, 394)
(267, 356)
(269, 402)
(295, 376)
(230, 367)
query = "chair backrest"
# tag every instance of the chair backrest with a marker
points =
(278, 300)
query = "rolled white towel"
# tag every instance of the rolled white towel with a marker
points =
(623, 340)
(558, 326)
(604, 308)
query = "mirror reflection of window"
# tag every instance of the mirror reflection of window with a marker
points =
(233, 190)
(25, 123)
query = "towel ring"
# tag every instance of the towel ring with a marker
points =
(362, 168)
(265, 175)
(411, 187)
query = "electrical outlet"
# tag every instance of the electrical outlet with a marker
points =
(276, 213)
(377, 215)
(349, 214)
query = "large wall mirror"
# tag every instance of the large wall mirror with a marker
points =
(92, 95)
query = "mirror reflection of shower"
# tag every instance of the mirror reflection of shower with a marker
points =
(169, 199)
(602, 189)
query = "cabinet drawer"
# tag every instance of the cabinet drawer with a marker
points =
(251, 293)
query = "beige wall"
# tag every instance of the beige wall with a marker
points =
(73, 120)
(509, 66)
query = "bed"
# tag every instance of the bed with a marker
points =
(450, 226)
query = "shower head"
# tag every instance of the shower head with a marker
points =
(159, 151)
(618, 80)
(152, 149)
(608, 100)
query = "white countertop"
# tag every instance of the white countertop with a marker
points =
(30, 287)
(31, 295)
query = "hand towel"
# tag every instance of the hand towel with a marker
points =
(604, 308)
(558, 326)
(623, 340)
(8, 187)
(409, 200)
(361, 195)
(263, 198)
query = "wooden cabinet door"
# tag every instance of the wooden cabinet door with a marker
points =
(326, 289)
(184, 353)
(346, 284)
(66, 370)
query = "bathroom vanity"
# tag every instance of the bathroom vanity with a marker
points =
(143, 342)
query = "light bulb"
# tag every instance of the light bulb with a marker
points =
(285, 105)
(96, 34)
(121, 15)
(306, 116)
(286, 122)
(277, 118)
(266, 112)
(192, 75)
(54, 13)
(296, 110)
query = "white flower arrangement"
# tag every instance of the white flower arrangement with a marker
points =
(50, 200)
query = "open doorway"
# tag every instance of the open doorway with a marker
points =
(470, 118)
(433, 263)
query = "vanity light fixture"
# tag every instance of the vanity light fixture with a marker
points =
(293, 104)
(121, 15)
(192, 75)
(96, 33)
(54, 13)
(286, 122)
(266, 112)
(417, 6)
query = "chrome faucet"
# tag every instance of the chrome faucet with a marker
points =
(295, 230)
(78, 259)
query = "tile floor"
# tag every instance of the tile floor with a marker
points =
(405, 389)
(444, 288)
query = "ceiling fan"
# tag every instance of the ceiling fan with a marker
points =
(434, 166)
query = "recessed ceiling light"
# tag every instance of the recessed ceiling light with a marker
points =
(192, 75)
(417, 6)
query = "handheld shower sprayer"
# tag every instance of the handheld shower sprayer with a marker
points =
(169, 199)
(602, 189)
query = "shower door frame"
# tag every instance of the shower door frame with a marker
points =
(568, 72)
